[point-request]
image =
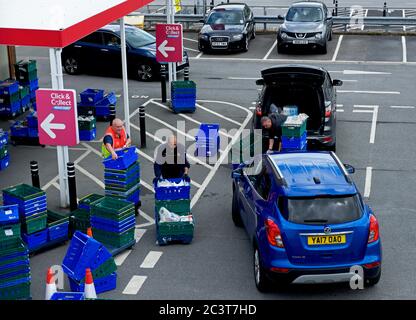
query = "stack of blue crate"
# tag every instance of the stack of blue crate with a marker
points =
(183, 96)
(32, 124)
(85, 252)
(32, 209)
(87, 128)
(95, 102)
(207, 140)
(15, 275)
(294, 134)
(4, 150)
(10, 105)
(122, 176)
(27, 75)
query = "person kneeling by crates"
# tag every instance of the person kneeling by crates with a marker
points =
(171, 160)
(115, 138)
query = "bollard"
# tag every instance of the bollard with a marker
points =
(34, 171)
(163, 81)
(186, 74)
(72, 186)
(336, 8)
(112, 114)
(195, 11)
(385, 9)
(212, 4)
(142, 118)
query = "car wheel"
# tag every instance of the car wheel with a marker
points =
(253, 35)
(72, 65)
(324, 49)
(330, 35)
(245, 49)
(369, 282)
(145, 72)
(262, 281)
(279, 49)
(236, 212)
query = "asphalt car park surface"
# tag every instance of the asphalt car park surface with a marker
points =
(375, 128)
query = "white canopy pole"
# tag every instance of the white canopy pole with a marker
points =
(125, 76)
(62, 151)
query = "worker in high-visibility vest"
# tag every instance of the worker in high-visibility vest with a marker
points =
(115, 138)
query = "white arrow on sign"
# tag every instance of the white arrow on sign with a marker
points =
(47, 125)
(162, 48)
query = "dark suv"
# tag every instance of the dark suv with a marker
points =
(311, 89)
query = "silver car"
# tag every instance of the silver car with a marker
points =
(306, 24)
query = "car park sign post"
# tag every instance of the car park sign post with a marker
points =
(169, 42)
(57, 117)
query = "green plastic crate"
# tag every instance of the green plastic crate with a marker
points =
(21, 291)
(92, 197)
(55, 219)
(10, 243)
(108, 206)
(24, 192)
(114, 239)
(23, 91)
(120, 217)
(132, 169)
(4, 151)
(35, 223)
(13, 260)
(86, 123)
(113, 187)
(9, 232)
(293, 130)
(81, 214)
(107, 268)
(181, 207)
(80, 224)
(183, 84)
(24, 76)
(25, 65)
(166, 229)
(8, 99)
(18, 249)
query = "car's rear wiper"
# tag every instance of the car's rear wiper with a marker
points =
(315, 220)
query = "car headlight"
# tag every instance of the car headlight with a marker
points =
(203, 36)
(237, 37)
(318, 36)
(283, 35)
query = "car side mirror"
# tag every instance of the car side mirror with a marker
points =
(350, 169)
(337, 83)
(260, 82)
(328, 18)
(280, 17)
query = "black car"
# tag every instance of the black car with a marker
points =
(306, 24)
(100, 52)
(228, 27)
(312, 90)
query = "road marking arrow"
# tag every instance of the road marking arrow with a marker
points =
(162, 48)
(47, 126)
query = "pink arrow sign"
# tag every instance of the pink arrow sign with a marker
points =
(169, 42)
(57, 117)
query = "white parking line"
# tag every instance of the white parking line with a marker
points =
(218, 115)
(373, 121)
(402, 107)
(139, 233)
(192, 138)
(404, 49)
(270, 50)
(368, 178)
(368, 92)
(151, 259)
(362, 111)
(135, 284)
(150, 220)
(120, 258)
(91, 176)
(190, 49)
(340, 110)
(334, 57)
(199, 55)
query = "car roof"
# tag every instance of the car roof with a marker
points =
(230, 6)
(307, 4)
(306, 174)
(115, 27)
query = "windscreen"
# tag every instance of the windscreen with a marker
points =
(323, 210)
(304, 14)
(138, 38)
(226, 17)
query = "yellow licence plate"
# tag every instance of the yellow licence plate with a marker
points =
(327, 240)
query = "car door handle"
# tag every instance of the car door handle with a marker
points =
(104, 50)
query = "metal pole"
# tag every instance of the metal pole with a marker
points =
(34, 172)
(336, 8)
(72, 186)
(112, 114)
(163, 81)
(142, 118)
(385, 9)
(186, 74)
(125, 79)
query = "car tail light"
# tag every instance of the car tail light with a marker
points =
(328, 113)
(258, 110)
(273, 234)
(327, 139)
(372, 265)
(280, 270)
(374, 229)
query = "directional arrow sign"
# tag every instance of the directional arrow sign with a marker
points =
(169, 42)
(57, 117)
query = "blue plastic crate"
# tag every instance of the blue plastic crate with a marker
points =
(91, 96)
(102, 111)
(11, 108)
(109, 99)
(122, 183)
(180, 96)
(8, 87)
(135, 173)
(294, 142)
(18, 130)
(68, 296)
(32, 94)
(87, 135)
(33, 132)
(5, 162)
(15, 282)
(25, 204)
(25, 101)
(24, 263)
(35, 240)
(9, 214)
(101, 284)
(33, 86)
(112, 226)
(6, 274)
(183, 102)
(32, 120)
(34, 106)
(126, 158)
(4, 138)
(81, 254)
(122, 193)
(58, 232)
(172, 193)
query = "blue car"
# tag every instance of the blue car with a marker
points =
(306, 219)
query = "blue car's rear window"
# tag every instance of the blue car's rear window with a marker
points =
(322, 210)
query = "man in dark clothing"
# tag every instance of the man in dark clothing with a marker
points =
(272, 126)
(171, 160)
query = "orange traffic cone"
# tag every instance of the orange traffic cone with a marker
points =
(89, 288)
(89, 232)
(50, 285)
